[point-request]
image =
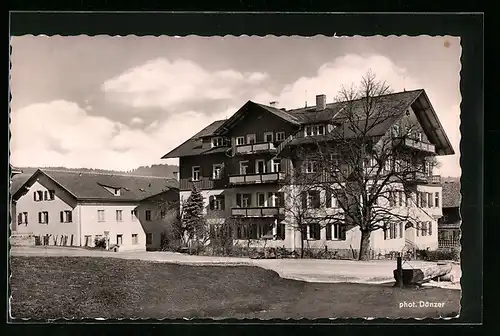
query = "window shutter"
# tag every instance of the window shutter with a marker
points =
(385, 233)
(343, 232)
(304, 200)
(328, 198)
(430, 228)
(211, 202)
(401, 230)
(70, 216)
(46, 217)
(39, 217)
(19, 218)
(61, 216)
(329, 232)
(238, 200)
(34, 196)
(26, 218)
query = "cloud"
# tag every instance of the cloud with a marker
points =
(61, 133)
(166, 84)
(329, 78)
(136, 121)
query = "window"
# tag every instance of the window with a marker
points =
(240, 141)
(38, 195)
(133, 215)
(260, 166)
(135, 239)
(163, 213)
(45, 195)
(429, 201)
(313, 199)
(148, 215)
(119, 239)
(436, 200)
(251, 139)
(261, 199)
(244, 167)
(100, 216)
(407, 201)
(217, 171)
(335, 232)
(119, 217)
(400, 194)
(217, 202)
(51, 195)
(43, 217)
(308, 131)
(429, 227)
(419, 136)
(424, 229)
(417, 195)
(243, 200)
(149, 238)
(390, 231)
(276, 165)
(280, 136)
(22, 218)
(280, 232)
(401, 229)
(314, 231)
(320, 130)
(195, 173)
(66, 216)
(117, 192)
(217, 142)
(331, 200)
(423, 199)
(268, 137)
(310, 166)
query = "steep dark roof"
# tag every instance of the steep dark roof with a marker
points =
(193, 145)
(394, 105)
(451, 195)
(89, 186)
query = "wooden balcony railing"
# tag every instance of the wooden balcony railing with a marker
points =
(419, 145)
(255, 148)
(258, 212)
(447, 243)
(256, 178)
(421, 177)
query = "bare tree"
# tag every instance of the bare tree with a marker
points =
(307, 207)
(370, 171)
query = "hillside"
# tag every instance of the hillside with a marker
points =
(163, 170)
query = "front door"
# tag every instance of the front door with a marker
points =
(119, 239)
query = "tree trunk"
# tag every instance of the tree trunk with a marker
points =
(364, 249)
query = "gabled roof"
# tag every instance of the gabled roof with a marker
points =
(193, 145)
(89, 186)
(394, 105)
(451, 195)
(244, 110)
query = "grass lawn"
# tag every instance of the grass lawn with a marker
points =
(81, 287)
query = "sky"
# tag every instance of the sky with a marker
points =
(123, 102)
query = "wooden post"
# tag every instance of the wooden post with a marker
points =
(399, 268)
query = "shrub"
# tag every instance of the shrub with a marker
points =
(100, 242)
(439, 254)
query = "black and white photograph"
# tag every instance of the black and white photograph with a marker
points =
(276, 177)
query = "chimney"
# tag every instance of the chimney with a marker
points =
(320, 102)
(273, 103)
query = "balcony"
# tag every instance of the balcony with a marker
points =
(255, 148)
(426, 147)
(258, 212)
(420, 177)
(256, 178)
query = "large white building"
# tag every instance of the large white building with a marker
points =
(74, 208)
(239, 165)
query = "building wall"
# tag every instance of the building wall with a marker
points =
(156, 225)
(91, 226)
(54, 228)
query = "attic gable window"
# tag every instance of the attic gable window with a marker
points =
(114, 190)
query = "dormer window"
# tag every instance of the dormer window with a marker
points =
(314, 130)
(117, 192)
(217, 142)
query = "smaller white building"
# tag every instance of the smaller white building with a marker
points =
(68, 208)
